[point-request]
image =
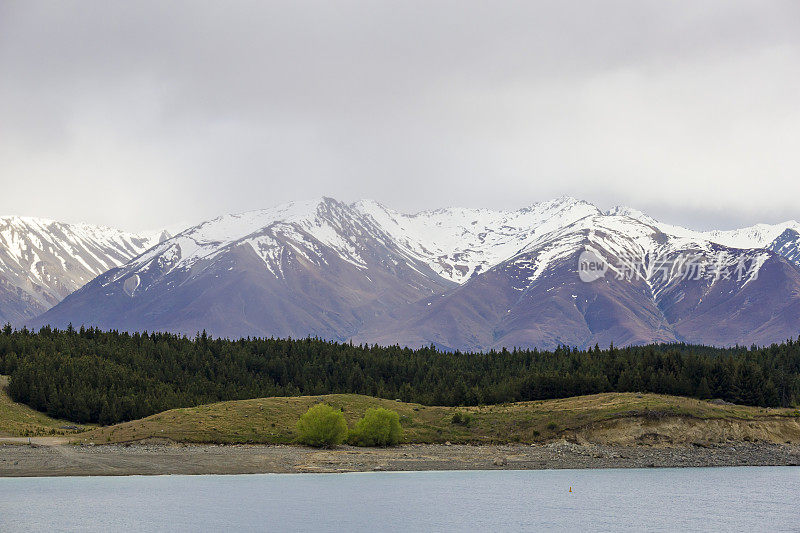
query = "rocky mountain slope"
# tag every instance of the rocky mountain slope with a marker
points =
(459, 278)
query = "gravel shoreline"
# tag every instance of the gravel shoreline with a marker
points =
(156, 459)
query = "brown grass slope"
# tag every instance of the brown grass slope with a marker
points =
(611, 418)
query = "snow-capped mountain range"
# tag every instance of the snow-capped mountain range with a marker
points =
(42, 261)
(460, 278)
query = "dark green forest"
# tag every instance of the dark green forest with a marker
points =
(88, 375)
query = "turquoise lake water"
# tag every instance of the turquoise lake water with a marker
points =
(686, 499)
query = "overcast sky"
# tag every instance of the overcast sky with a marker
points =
(138, 114)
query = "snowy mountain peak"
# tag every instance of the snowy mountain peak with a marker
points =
(756, 236)
(560, 203)
(624, 211)
(750, 237)
(301, 225)
(459, 243)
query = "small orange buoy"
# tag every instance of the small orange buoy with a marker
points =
(570, 489)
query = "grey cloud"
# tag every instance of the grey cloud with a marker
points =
(140, 114)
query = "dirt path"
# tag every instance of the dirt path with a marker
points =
(69, 460)
(40, 441)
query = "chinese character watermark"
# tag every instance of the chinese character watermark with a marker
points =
(713, 267)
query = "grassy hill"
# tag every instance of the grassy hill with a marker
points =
(18, 420)
(614, 418)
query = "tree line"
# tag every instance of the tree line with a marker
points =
(89, 375)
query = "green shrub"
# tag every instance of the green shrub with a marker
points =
(379, 427)
(462, 419)
(322, 426)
